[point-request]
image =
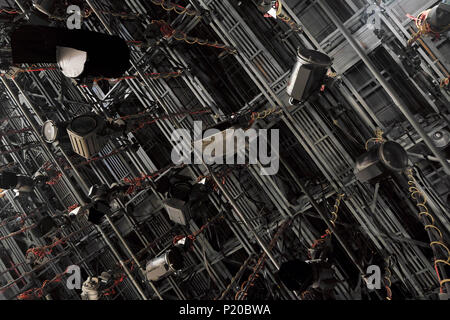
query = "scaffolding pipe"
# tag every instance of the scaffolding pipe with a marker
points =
(80, 199)
(385, 84)
(242, 217)
(37, 133)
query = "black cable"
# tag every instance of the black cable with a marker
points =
(244, 190)
(431, 191)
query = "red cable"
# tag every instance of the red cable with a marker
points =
(39, 292)
(439, 277)
(10, 11)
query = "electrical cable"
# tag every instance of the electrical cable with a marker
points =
(11, 283)
(377, 139)
(10, 11)
(429, 222)
(25, 229)
(152, 76)
(39, 292)
(22, 216)
(194, 235)
(430, 188)
(14, 71)
(424, 27)
(43, 251)
(286, 19)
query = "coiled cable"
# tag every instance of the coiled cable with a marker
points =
(421, 202)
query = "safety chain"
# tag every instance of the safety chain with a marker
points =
(135, 183)
(22, 216)
(151, 76)
(170, 6)
(286, 19)
(246, 285)
(266, 113)
(194, 236)
(424, 28)
(111, 290)
(39, 292)
(334, 213)
(169, 32)
(18, 232)
(15, 71)
(235, 278)
(334, 217)
(54, 180)
(387, 278)
(40, 252)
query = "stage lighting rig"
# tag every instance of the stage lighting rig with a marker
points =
(18, 182)
(185, 199)
(381, 161)
(315, 276)
(307, 75)
(102, 198)
(87, 133)
(95, 287)
(80, 54)
(439, 17)
(170, 262)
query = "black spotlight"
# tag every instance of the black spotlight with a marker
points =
(176, 185)
(8, 180)
(163, 184)
(98, 210)
(380, 162)
(263, 5)
(11, 180)
(308, 74)
(44, 226)
(185, 200)
(439, 17)
(296, 275)
(79, 53)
